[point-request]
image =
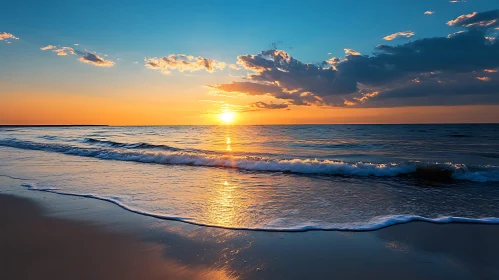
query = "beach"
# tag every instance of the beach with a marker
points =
(52, 236)
(244, 140)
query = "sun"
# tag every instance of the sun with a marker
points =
(227, 117)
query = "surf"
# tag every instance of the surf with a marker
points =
(430, 171)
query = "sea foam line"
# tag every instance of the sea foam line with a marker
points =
(374, 224)
(299, 166)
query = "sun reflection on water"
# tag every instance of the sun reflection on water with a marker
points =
(223, 206)
(228, 148)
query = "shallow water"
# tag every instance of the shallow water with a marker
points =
(354, 177)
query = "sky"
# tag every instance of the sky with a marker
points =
(267, 62)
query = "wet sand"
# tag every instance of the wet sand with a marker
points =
(49, 236)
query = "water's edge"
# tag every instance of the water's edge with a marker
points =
(376, 224)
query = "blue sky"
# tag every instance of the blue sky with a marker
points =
(130, 31)
(225, 29)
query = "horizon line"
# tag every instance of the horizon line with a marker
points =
(282, 124)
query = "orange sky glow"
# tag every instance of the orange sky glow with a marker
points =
(30, 109)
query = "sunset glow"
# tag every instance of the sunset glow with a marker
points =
(227, 117)
(263, 139)
(225, 73)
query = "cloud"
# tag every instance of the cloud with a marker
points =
(351, 52)
(432, 61)
(277, 74)
(48, 47)
(85, 56)
(455, 33)
(368, 95)
(60, 51)
(182, 62)
(483, 79)
(429, 12)
(7, 36)
(477, 19)
(234, 66)
(263, 105)
(443, 89)
(406, 34)
(336, 60)
(428, 71)
(95, 60)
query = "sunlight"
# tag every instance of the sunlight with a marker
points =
(228, 148)
(227, 117)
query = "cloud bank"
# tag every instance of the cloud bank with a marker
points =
(182, 62)
(457, 70)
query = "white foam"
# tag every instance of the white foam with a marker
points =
(303, 166)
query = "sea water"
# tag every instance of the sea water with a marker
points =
(291, 178)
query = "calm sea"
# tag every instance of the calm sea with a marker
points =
(345, 177)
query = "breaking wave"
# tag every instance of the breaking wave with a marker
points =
(139, 145)
(431, 171)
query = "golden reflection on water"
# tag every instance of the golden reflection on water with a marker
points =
(228, 148)
(222, 207)
(228, 139)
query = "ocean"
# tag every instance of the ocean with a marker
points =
(275, 178)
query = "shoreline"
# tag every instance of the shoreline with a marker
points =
(399, 220)
(413, 250)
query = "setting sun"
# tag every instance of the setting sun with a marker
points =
(227, 117)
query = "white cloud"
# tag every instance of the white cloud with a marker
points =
(406, 34)
(7, 36)
(182, 62)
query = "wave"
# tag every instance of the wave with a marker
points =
(430, 171)
(48, 137)
(373, 224)
(15, 178)
(139, 145)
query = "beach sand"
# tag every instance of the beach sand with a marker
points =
(50, 236)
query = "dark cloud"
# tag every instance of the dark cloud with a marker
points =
(255, 89)
(263, 105)
(463, 52)
(94, 59)
(85, 56)
(433, 68)
(441, 89)
(477, 19)
(426, 71)
(278, 74)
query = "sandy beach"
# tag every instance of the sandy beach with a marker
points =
(49, 236)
